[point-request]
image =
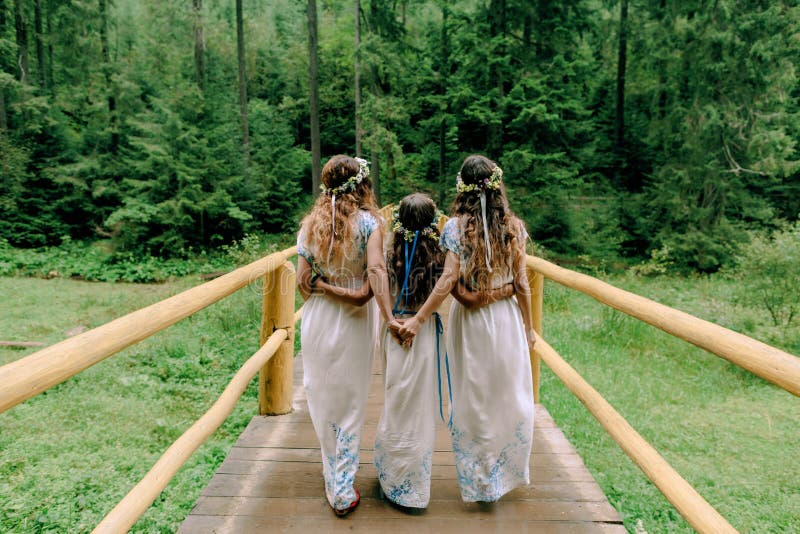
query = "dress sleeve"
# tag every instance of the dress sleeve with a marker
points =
(367, 224)
(302, 249)
(451, 236)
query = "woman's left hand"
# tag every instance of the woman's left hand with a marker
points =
(530, 334)
(409, 330)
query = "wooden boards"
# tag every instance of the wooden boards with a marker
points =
(272, 480)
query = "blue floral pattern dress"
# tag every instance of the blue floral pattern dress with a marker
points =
(337, 343)
(492, 428)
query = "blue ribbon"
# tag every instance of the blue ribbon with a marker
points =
(404, 290)
(439, 332)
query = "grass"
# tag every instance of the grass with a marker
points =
(731, 435)
(69, 455)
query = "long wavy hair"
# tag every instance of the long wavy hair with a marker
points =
(417, 211)
(317, 224)
(502, 224)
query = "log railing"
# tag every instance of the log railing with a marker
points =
(273, 361)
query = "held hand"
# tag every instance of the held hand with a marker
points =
(409, 330)
(531, 336)
(394, 329)
(507, 291)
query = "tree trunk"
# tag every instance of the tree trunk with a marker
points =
(49, 23)
(39, 34)
(242, 83)
(3, 22)
(313, 83)
(199, 45)
(619, 121)
(497, 19)
(106, 56)
(22, 41)
(375, 175)
(358, 79)
(444, 71)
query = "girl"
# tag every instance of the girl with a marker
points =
(407, 427)
(492, 428)
(338, 247)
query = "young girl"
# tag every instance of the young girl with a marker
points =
(338, 247)
(492, 428)
(407, 427)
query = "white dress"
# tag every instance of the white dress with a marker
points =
(407, 427)
(492, 428)
(337, 342)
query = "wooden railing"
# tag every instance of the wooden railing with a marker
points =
(36, 373)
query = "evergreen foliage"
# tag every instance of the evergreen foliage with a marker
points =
(112, 132)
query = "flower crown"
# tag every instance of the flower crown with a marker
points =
(431, 231)
(352, 182)
(492, 182)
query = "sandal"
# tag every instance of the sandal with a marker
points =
(345, 511)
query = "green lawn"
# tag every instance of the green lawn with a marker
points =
(68, 455)
(731, 435)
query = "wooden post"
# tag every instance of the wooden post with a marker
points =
(536, 283)
(275, 378)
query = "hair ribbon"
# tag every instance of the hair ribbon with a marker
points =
(488, 255)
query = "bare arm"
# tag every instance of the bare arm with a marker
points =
(303, 277)
(378, 276)
(523, 291)
(356, 297)
(475, 299)
(444, 285)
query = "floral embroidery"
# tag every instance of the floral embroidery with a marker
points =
(482, 478)
(451, 236)
(413, 490)
(340, 469)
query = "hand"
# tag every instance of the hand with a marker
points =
(531, 336)
(409, 330)
(394, 328)
(507, 291)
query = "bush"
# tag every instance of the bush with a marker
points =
(769, 267)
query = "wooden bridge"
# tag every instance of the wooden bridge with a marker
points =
(272, 479)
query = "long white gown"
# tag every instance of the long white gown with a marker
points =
(337, 342)
(492, 430)
(407, 427)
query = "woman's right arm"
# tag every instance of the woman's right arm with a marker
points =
(476, 299)
(304, 277)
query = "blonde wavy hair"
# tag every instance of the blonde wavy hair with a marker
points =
(317, 223)
(505, 228)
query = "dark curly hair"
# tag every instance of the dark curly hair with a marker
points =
(504, 227)
(417, 211)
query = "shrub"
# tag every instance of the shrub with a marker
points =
(769, 267)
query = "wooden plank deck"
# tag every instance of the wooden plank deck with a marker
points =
(272, 481)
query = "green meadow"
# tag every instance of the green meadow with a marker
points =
(70, 454)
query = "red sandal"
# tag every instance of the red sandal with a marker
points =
(345, 511)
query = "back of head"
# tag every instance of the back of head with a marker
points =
(347, 188)
(416, 216)
(480, 176)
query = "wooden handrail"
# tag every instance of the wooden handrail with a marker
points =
(774, 365)
(139, 499)
(691, 505)
(29, 376)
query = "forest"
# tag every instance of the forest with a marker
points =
(627, 129)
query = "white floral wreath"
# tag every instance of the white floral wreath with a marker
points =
(492, 182)
(431, 231)
(351, 183)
